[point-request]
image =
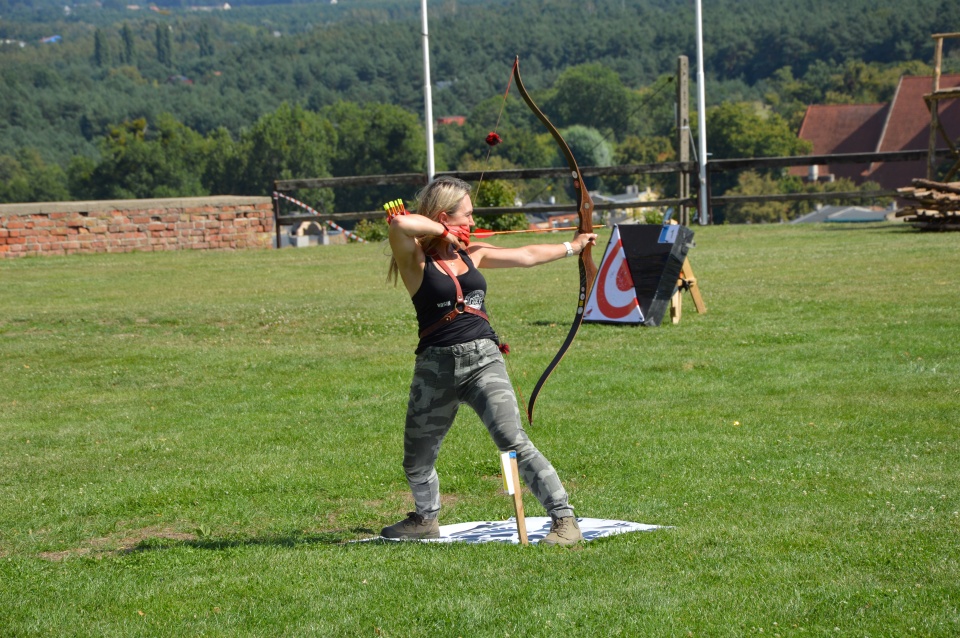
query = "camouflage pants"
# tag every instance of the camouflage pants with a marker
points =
(471, 373)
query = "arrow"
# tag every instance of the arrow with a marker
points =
(482, 233)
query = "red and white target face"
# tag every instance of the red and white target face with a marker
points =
(615, 296)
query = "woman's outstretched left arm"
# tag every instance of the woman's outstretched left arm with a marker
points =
(489, 256)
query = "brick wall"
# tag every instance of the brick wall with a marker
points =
(200, 223)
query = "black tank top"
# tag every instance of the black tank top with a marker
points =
(437, 296)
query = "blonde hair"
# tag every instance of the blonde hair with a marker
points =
(442, 195)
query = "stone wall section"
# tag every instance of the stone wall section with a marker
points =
(201, 223)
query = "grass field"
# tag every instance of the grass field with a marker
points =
(189, 441)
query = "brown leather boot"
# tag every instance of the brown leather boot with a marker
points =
(413, 527)
(564, 531)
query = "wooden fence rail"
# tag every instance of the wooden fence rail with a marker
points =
(689, 168)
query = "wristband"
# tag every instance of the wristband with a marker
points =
(446, 231)
(569, 248)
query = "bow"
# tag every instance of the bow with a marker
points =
(588, 270)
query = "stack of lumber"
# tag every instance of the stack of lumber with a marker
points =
(937, 205)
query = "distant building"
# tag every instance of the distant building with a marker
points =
(552, 220)
(459, 120)
(845, 214)
(901, 125)
(541, 216)
(632, 195)
(217, 7)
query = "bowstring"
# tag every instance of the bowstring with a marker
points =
(496, 127)
(486, 163)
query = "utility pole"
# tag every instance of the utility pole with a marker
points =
(427, 98)
(702, 119)
(683, 135)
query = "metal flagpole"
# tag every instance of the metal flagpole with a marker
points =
(702, 118)
(427, 99)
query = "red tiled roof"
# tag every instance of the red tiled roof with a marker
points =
(904, 124)
(908, 124)
(908, 128)
(842, 128)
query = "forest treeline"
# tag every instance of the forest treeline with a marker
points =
(185, 102)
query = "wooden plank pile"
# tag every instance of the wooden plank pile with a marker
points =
(937, 205)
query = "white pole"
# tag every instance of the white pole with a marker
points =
(427, 99)
(702, 118)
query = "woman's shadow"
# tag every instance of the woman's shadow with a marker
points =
(202, 540)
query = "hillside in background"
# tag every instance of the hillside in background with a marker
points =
(221, 70)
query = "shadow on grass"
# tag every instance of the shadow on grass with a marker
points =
(291, 539)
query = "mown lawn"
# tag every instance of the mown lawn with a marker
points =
(189, 441)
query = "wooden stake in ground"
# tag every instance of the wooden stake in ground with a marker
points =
(511, 484)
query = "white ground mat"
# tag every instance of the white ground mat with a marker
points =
(537, 528)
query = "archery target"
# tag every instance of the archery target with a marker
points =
(614, 297)
(638, 274)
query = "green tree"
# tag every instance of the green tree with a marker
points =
(448, 142)
(80, 177)
(644, 150)
(372, 229)
(749, 130)
(129, 52)
(289, 143)
(374, 139)
(790, 96)
(138, 161)
(652, 110)
(25, 177)
(742, 130)
(163, 46)
(204, 41)
(590, 95)
(753, 183)
(101, 49)
(253, 74)
(525, 142)
(225, 164)
(497, 192)
(590, 149)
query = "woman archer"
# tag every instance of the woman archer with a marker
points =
(458, 356)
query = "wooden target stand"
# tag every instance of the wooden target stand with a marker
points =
(687, 281)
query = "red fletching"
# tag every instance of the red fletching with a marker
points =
(493, 139)
(504, 347)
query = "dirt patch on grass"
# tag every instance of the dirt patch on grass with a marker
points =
(120, 543)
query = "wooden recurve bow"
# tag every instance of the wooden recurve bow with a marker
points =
(588, 269)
